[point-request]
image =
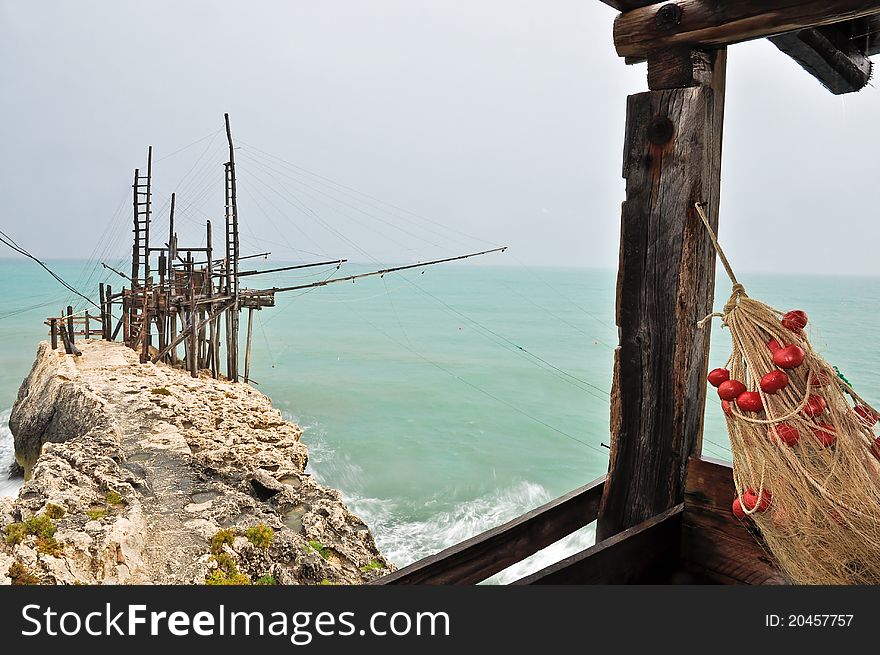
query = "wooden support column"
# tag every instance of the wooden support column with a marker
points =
(103, 301)
(53, 331)
(672, 159)
(247, 348)
(70, 324)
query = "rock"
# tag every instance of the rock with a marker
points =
(142, 466)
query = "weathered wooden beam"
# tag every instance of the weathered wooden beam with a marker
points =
(53, 332)
(645, 553)
(712, 24)
(715, 545)
(627, 5)
(830, 54)
(871, 34)
(672, 159)
(482, 556)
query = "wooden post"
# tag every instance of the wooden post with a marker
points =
(247, 348)
(87, 329)
(126, 317)
(145, 337)
(231, 261)
(70, 324)
(672, 159)
(53, 331)
(158, 301)
(103, 302)
(193, 346)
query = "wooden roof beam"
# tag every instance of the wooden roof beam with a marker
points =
(834, 55)
(713, 24)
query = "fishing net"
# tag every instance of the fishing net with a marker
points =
(805, 455)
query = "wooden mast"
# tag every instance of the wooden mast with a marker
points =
(672, 159)
(231, 262)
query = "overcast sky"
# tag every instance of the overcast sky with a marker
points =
(501, 120)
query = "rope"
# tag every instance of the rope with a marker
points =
(821, 516)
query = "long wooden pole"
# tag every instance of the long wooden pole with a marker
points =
(247, 348)
(232, 262)
(710, 23)
(393, 269)
(665, 285)
(109, 336)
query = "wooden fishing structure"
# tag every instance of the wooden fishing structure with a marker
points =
(193, 297)
(663, 511)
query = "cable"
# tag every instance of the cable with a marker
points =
(11, 243)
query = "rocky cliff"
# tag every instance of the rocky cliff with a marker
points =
(139, 473)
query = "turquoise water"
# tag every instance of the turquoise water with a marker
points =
(419, 401)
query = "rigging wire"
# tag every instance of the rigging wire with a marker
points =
(9, 241)
(366, 195)
(512, 406)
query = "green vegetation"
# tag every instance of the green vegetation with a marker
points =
(325, 582)
(96, 513)
(321, 549)
(40, 525)
(113, 498)
(49, 546)
(54, 511)
(15, 533)
(162, 391)
(20, 575)
(218, 577)
(374, 565)
(222, 537)
(267, 579)
(260, 536)
(227, 572)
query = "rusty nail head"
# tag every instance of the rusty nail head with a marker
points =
(660, 130)
(668, 16)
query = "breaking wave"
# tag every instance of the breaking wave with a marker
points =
(8, 487)
(406, 530)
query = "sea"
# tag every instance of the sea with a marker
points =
(445, 401)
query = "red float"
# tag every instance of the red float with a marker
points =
(738, 510)
(725, 405)
(718, 375)
(825, 434)
(815, 405)
(749, 401)
(789, 357)
(730, 390)
(750, 500)
(773, 345)
(866, 415)
(795, 320)
(785, 433)
(774, 381)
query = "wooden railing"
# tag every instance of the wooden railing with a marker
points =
(486, 554)
(69, 325)
(695, 541)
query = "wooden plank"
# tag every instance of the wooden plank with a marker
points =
(646, 553)
(716, 545)
(672, 159)
(830, 54)
(482, 556)
(712, 24)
